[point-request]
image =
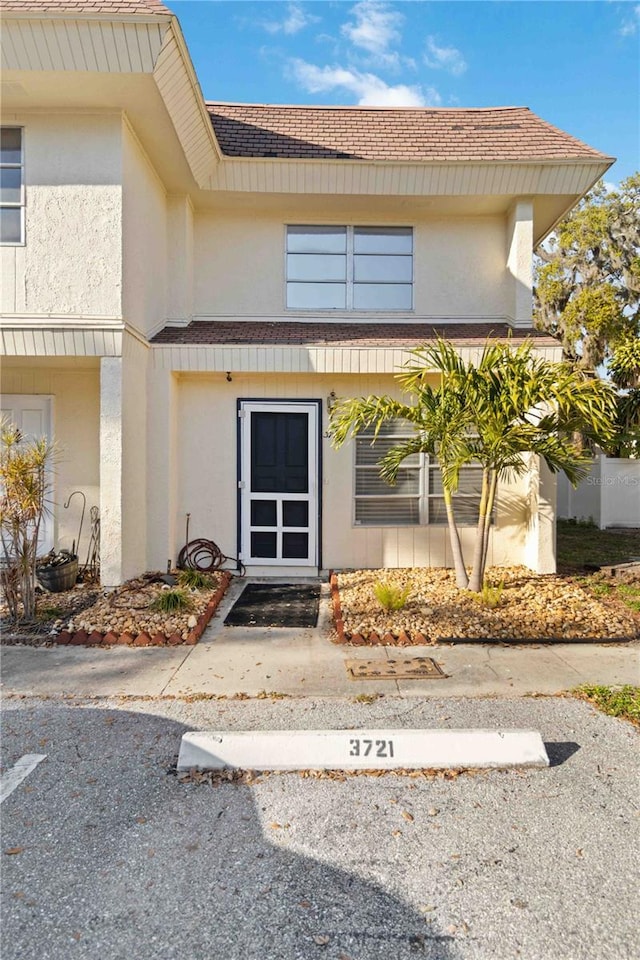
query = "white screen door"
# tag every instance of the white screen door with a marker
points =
(278, 483)
(32, 416)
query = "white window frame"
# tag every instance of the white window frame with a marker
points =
(424, 496)
(16, 205)
(350, 264)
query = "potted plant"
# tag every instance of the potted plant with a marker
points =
(58, 571)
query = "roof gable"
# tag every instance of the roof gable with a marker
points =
(509, 134)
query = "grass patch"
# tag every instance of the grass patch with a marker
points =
(582, 547)
(174, 600)
(630, 595)
(626, 593)
(623, 702)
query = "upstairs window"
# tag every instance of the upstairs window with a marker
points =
(349, 268)
(417, 497)
(11, 186)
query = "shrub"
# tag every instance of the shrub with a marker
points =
(390, 596)
(25, 483)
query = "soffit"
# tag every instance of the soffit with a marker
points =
(44, 59)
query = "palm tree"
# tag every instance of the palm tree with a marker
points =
(442, 422)
(492, 413)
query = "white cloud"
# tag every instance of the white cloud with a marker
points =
(444, 58)
(370, 89)
(376, 26)
(295, 20)
(631, 25)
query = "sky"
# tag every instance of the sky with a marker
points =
(575, 63)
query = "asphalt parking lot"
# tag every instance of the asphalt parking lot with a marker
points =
(106, 855)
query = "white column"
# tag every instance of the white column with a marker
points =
(111, 471)
(161, 468)
(540, 544)
(520, 260)
(123, 464)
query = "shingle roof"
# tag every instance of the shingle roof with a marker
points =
(292, 333)
(144, 7)
(384, 133)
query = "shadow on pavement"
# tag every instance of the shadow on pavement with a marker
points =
(119, 860)
(560, 752)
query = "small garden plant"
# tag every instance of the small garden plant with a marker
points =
(195, 580)
(390, 596)
(173, 600)
(491, 596)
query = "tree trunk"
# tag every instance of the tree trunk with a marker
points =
(477, 570)
(491, 499)
(462, 581)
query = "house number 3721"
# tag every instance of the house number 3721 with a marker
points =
(373, 748)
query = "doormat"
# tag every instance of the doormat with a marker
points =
(417, 668)
(276, 605)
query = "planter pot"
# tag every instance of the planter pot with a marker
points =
(60, 577)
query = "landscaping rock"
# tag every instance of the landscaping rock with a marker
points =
(530, 607)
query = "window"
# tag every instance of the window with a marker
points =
(417, 497)
(349, 268)
(11, 186)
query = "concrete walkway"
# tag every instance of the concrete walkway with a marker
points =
(296, 662)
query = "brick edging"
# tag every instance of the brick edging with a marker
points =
(371, 639)
(337, 610)
(96, 639)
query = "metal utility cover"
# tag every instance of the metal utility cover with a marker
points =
(415, 668)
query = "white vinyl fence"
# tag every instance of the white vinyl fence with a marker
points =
(610, 495)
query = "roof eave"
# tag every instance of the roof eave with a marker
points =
(602, 169)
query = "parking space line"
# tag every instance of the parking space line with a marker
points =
(14, 777)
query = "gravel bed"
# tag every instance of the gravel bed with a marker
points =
(530, 607)
(124, 611)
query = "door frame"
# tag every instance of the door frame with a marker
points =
(244, 405)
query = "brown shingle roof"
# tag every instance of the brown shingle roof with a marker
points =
(292, 333)
(384, 133)
(141, 7)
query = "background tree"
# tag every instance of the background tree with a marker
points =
(624, 370)
(509, 404)
(587, 276)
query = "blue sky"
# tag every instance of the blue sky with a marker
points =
(575, 63)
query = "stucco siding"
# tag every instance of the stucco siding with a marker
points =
(206, 486)
(75, 389)
(144, 239)
(70, 263)
(460, 266)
